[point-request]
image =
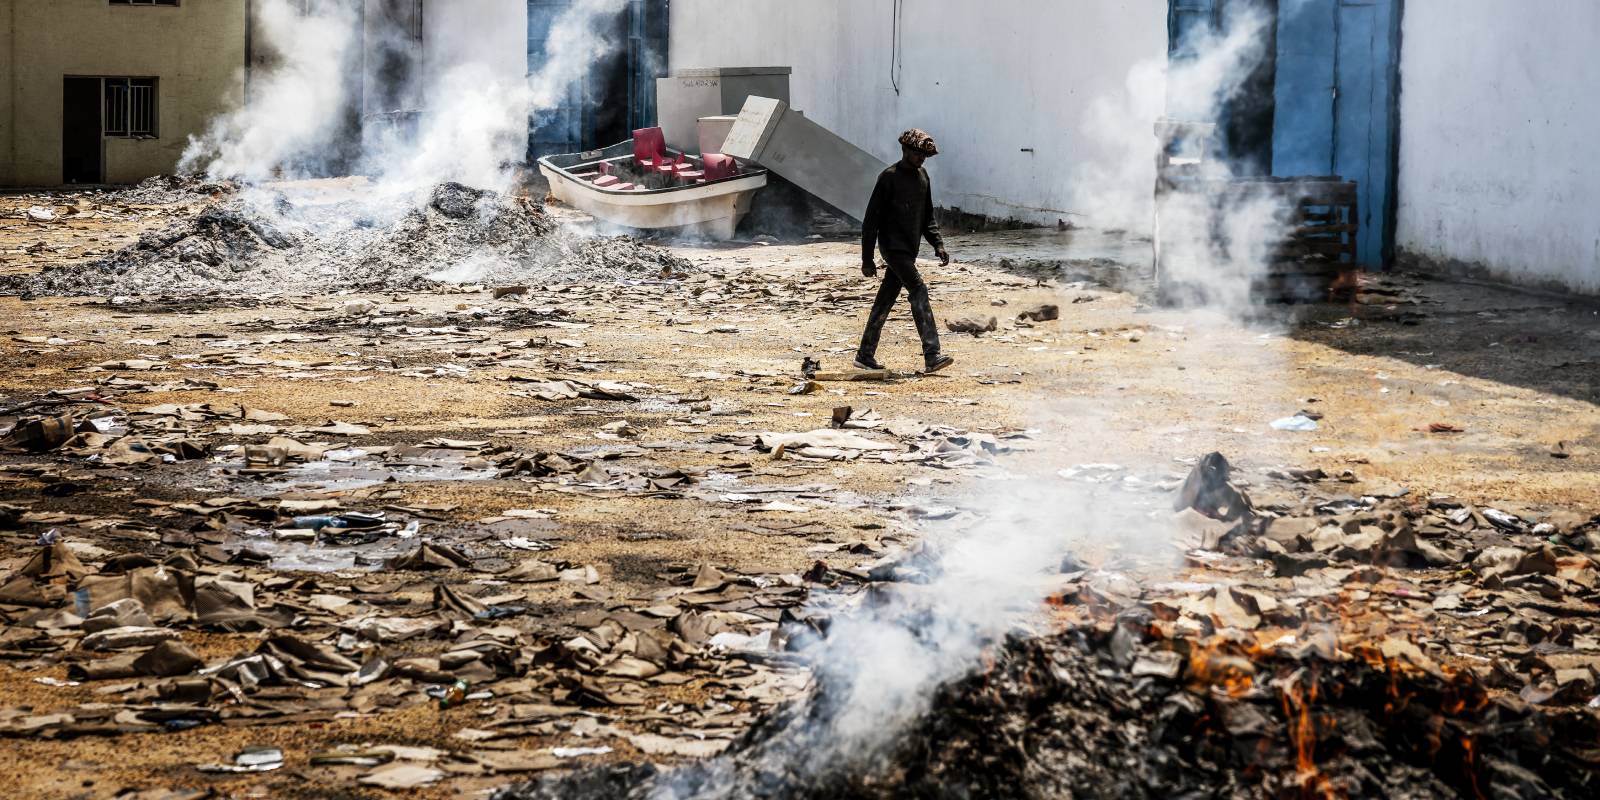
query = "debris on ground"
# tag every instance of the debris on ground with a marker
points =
(448, 536)
(1041, 313)
(972, 325)
(1373, 671)
(247, 244)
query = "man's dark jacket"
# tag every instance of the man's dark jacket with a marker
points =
(900, 214)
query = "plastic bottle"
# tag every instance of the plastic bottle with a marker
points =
(454, 696)
(318, 522)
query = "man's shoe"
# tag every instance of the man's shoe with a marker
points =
(937, 363)
(867, 364)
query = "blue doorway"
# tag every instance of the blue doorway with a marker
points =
(558, 129)
(617, 92)
(1323, 99)
(1336, 106)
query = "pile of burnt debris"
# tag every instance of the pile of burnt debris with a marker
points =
(259, 241)
(1354, 646)
(174, 189)
(1064, 716)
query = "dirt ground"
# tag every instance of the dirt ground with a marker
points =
(1113, 380)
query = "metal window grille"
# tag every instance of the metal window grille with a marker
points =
(130, 107)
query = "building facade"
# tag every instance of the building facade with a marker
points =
(1499, 178)
(1467, 128)
(109, 91)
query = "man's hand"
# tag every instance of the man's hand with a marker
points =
(869, 269)
(944, 257)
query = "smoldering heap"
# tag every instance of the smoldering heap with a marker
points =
(1120, 688)
(174, 190)
(257, 243)
(1058, 716)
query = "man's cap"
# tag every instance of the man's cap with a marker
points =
(919, 139)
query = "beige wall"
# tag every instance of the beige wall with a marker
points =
(196, 49)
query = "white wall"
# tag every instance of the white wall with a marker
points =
(985, 78)
(1499, 119)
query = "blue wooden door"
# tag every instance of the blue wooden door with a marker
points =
(1335, 96)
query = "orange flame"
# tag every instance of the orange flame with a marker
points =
(1470, 759)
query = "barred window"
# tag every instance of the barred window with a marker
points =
(130, 107)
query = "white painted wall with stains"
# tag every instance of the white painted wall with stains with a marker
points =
(1499, 120)
(987, 79)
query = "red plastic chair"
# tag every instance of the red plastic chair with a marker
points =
(719, 166)
(649, 146)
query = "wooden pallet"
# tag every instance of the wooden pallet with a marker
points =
(1320, 213)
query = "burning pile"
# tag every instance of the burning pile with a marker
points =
(1057, 716)
(253, 244)
(1359, 669)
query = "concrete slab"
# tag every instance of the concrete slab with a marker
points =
(812, 157)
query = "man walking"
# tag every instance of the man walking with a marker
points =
(898, 217)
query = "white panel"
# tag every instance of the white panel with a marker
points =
(1498, 123)
(986, 79)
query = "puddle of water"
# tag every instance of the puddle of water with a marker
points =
(334, 474)
(292, 555)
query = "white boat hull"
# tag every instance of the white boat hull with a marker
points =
(711, 210)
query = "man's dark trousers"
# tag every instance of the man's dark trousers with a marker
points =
(902, 274)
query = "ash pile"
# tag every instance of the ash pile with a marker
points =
(260, 243)
(161, 190)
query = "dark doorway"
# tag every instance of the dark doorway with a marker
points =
(616, 94)
(610, 118)
(1245, 116)
(81, 128)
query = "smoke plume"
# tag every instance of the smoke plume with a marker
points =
(474, 112)
(1213, 247)
(292, 114)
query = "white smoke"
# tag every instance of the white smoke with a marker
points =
(1117, 191)
(1213, 246)
(883, 662)
(574, 43)
(478, 115)
(475, 118)
(292, 113)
